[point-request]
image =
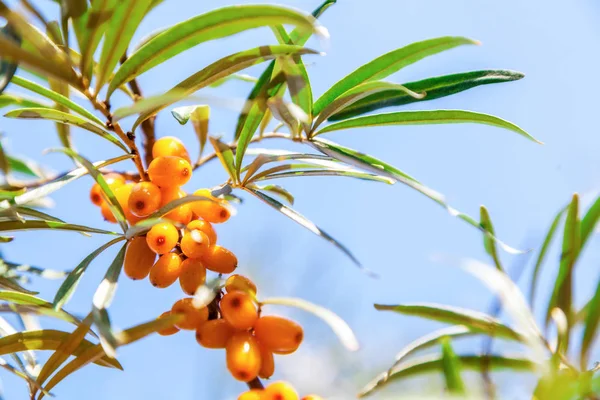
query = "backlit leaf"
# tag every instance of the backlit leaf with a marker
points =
(225, 155)
(7, 68)
(452, 369)
(38, 224)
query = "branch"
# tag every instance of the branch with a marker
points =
(255, 384)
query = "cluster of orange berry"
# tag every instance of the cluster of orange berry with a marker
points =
(276, 391)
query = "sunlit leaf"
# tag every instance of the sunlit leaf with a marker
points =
(299, 170)
(225, 155)
(452, 369)
(11, 284)
(338, 325)
(590, 332)
(38, 224)
(234, 77)
(276, 190)
(488, 243)
(149, 103)
(200, 116)
(7, 68)
(299, 85)
(38, 305)
(209, 26)
(8, 99)
(97, 21)
(589, 221)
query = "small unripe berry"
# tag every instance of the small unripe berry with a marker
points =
(169, 330)
(166, 270)
(252, 394)
(214, 334)
(211, 211)
(267, 363)
(170, 146)
(193, 318)
(139, 258)
(280, 335)
(169, 171)
(162, 237)
(205, 227)
(145, 198)
(181, 214)
(240, 282)
(192, 276)
(194, 244)
(239, 310)
(243, 356)
(279, 391)
(219, 259)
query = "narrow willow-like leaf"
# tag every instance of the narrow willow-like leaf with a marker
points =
(488, 243)
(224, 67)
(56, 97)
(474, 320)
(38, 305)
(234, 77)
(433, 363)
(7, 68)
(542, 256)
(337, 324)
(200, 116)
(98, 19)
(25, 167)
(225, 155)
(299, 86)
(38, 224)
(68, 287)
(424, 118)
(212, 25)
(48, 339)
(64, 118)
(300, 219)
(589, 221)
(590, 331)
(331, 172)
(11, 284)
(452, 369)
(276, 190)
(265, 156)
(42, 272)
(433, 88)
(149, 103)
(123, 23)
(290, 114)
(562, 294)
(9, 99)
(56, 184)
(388, 64)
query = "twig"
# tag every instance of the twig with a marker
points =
(148, 125)
(255, 384)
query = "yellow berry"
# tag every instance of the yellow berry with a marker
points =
(219, 259)
(169, 330)
(162, 237)
(181, 214)
(139, 258)
(240, 282)
(279, 335)
(193, 318)
(169, 171)
(212, 211)
(252, 394)
(192, 276)
(166, 270)
(144, 199)
(214, 334)
(279, 391)
(239, 310)
(243, 356)
(170, 146)
(205, 227)
(194, 244)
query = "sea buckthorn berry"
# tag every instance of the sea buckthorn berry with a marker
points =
(122, 194)
(214, 334)
(211, 211)
(280, 335)
(181, 214)
(144, 199)
(169, 330)
(239, 310)
(113, 181)
(194, 244)
(193, 318)
(205, 227)
(219, 259)
(253, 394)
(166, 270)
(240, 282)
(279, 391)
(170, 146)
(243, 356)
(169, 171)
(107, 213)
(139, 258)
(162, 237)
(312, 397)
(192, 276)
(267, 363)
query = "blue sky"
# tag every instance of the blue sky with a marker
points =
(391, 229)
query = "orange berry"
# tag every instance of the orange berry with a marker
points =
(193, 318)
(219, 259)
(107, 213)
(239, 310)
(169, 171)
(170, 146)
(214, 334)
(211, 211)
(312, 397)
(267, 363)
(252, 394)
(243, 356)
(279, 391)
(183, 213)
(113, 181)
(192, 276)
(162, 237)
(166, 270)
(122, 194)
(144, 199)
(139, 258)
(240, 282)
(194, 244)
(169, 330)
(205, 227)
(96, 195)
(280, 335)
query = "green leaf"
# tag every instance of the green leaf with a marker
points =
(38, 305)
(7, 99)
(434, 88)
(299, 86)
(98, 19)
(341, 328)
(57, 97)
(272, 174)
(48, 339)
(225, 155)
(37, 224)
(388, 64)
(424, 118)
(276, 190)
(300, 219)
(123, 23)
(488, 243)
(25, 167)
(224, 67)
(589, 221)
(289, 114)
(149, 103)
(212, 25)
(590, 328)
(7, 68)
(542, 256)
(562, 295)
(42, 272)
(433, 363)
(452, 369)
(200, 116)
(68, 287)
(234, 77)
(64, 118)
(474, 320)
(11, 284)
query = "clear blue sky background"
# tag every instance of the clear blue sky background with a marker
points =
(392, 229)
